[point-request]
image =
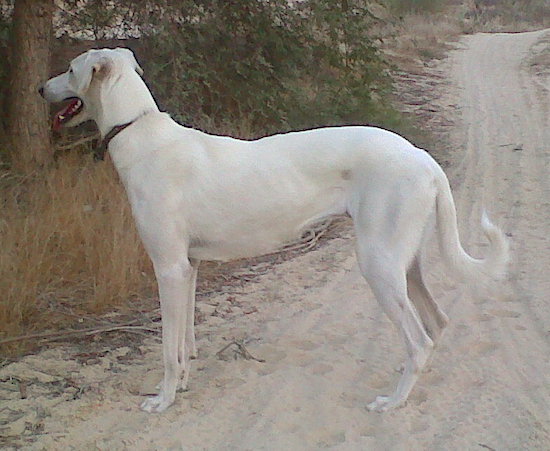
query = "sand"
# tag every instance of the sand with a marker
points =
(327, 346)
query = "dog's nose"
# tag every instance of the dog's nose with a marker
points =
(41, 91)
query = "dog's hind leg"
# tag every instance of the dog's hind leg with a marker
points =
(387, 280)
(173, 281)
(433, 318)
(390, 223)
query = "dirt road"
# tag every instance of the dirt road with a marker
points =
(328, 349)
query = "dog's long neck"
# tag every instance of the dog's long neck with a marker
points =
(123, 101)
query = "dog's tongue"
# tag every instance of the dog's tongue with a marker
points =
(61, 116)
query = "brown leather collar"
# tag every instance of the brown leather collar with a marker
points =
(101, 150)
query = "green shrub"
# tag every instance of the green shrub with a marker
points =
(414, 6)
(272, 66)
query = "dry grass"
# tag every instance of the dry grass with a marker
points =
(410, 39)
(70, 250)
(506, 15)
(427, 36)
(411, 35)
(68, 239)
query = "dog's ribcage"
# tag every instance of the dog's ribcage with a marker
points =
(237, 199)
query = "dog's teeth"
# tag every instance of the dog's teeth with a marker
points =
(61, 117)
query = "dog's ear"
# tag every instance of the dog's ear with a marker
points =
(102, 68)
(94, 68)
(128, 55)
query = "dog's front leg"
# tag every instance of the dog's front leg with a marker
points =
(187, 347)
(190, 347)
(173, 281)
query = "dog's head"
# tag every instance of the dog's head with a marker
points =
(87, 73)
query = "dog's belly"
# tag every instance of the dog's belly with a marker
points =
(253, 245)
(231, 250)
(258, 235)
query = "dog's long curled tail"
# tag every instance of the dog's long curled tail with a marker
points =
(482, 273)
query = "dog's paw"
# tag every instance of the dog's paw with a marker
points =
(384, 403)
(156, 404)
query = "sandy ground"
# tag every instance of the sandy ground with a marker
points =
(328, 349)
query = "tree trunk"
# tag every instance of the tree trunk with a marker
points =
(27, 123)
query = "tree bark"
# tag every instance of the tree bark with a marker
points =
(27, 129)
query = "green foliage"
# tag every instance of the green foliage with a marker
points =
(414, 6)
(354, 79)
(274, 66)
(98, 19)
(267, 64)
(223, 63)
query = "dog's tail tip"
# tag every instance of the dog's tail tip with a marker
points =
(499, 255)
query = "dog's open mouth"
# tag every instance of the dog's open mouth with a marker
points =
(68, 112)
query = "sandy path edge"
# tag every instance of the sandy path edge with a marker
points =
(328, 348)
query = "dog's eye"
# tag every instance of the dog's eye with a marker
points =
(70, 70)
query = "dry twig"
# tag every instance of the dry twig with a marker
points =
(241, 351)
(78, 142)
(52, 336)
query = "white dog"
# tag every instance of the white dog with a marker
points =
(197, 197)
